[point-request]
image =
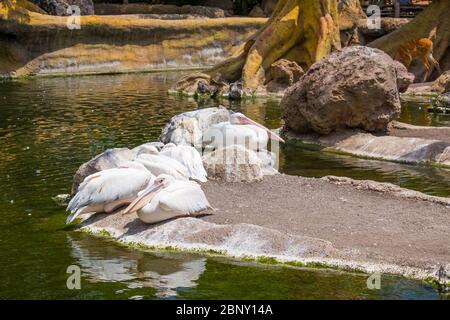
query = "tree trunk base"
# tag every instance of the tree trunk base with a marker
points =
(301, 31)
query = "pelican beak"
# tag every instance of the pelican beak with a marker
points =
(143, 199)
(271, 134)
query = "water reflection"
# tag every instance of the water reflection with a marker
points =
(163, 272)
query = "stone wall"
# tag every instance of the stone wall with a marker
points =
(32, 43)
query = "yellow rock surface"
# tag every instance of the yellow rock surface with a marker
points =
(33, 43)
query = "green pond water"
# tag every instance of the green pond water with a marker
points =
(49, 126)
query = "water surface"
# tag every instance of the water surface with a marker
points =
(49, 126)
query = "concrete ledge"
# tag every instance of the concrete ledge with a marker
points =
(403, 143)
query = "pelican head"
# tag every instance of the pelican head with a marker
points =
(164, 180)
(161, 182)
(238, 118)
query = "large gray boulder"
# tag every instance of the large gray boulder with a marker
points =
(187, 128)
(59, 7)
(356, 87)
(111, 158)
(234, 163)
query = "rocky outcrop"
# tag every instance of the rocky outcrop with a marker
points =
(404, 78)
(403, 143)
(356, 87)
(59, 7)
(199, 83)
(284, 74)
(442, 101)
(187, 128)
(166, 10)
(111, 158)
(442, 84)
(225, 5)
(53, 7)
(257, 12)
(233, 164)
(36, 44)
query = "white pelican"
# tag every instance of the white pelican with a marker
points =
(239, 130)
(189, 157)
(160, 164)
(168, 198)
(109, 189)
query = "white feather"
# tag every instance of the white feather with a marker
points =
(180, 198)
(160, 164)
(105, 187)
(190, 158)
(225, 134)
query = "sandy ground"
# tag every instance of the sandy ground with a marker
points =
(376, 223)
(372, 223)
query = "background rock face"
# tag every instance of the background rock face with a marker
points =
(86, 6)
(59, 7)
(356, 87)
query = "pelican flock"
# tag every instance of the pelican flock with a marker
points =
(162, 181)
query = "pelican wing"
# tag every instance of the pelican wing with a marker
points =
(109, 185)
(161, 164)
(227, 134)
(190, 158)
(182, 196)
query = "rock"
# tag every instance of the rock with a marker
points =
(187, 128)
(226, 5)
(236, 91)
(160, 11)
(257, 12)
(199, 83)
(350, 11)
(404, 78)
(442, 84)
(442, 101)
(111, 158)
(59, 7)
(189, 84)
(284, 73)
(203, 11)
(268, 6)
(61, 200)
(356, 87)
(53, 7)
(203, 87)
(233, 164)
(86, 6)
